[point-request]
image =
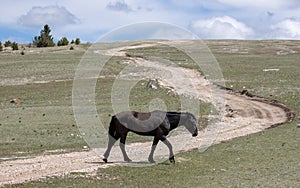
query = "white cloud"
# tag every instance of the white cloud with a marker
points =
(190, 3)
(148, 30)
(287, 29)
(119, 5)
(263, 4)
(221, 28)
(96, 18)
(224, 4)
(170, 32)
(52, 15)
(266, 17)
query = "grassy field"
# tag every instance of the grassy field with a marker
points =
(43, 82)
(44, 120)
(266, 159)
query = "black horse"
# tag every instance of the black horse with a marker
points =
(156, 123)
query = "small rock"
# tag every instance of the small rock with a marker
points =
(15, 101)
(298, 125)
(85, 147)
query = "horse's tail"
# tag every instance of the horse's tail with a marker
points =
(112, 127)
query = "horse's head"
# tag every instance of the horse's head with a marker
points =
(190, 123)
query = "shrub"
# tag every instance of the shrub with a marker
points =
(7, 43)
(77, 41)
(63, 42)
(14, 46)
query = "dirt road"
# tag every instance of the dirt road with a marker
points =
(240, 114)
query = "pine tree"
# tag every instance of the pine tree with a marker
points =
(45, 39)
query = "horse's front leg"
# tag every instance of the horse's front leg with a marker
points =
(122, 146)
(168, 144)
(154, 144)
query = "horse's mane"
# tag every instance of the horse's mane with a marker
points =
(174, 113)
(174, 119)
(180, 113)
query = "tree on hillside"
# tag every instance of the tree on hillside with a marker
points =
(7, 43)
(1, 47)
(45, 39)
(77, 41)
(14, 46)
(63, 42)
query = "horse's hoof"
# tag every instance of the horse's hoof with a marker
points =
(105, 160)
(128, 160)
(172, 160)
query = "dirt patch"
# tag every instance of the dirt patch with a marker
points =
(242, 114)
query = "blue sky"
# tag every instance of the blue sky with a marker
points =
(21, 20)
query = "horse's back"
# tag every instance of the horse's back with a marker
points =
(143, 122)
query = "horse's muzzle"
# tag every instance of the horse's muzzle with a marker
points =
(195, 133)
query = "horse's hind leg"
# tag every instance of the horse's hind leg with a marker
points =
(111, 142)
(122, 146)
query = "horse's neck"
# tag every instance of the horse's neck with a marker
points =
(174, 122)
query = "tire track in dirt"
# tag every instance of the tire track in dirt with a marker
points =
(244, 114)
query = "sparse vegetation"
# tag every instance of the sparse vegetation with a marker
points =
(45, 39)
(77, 41)
(13, 45)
